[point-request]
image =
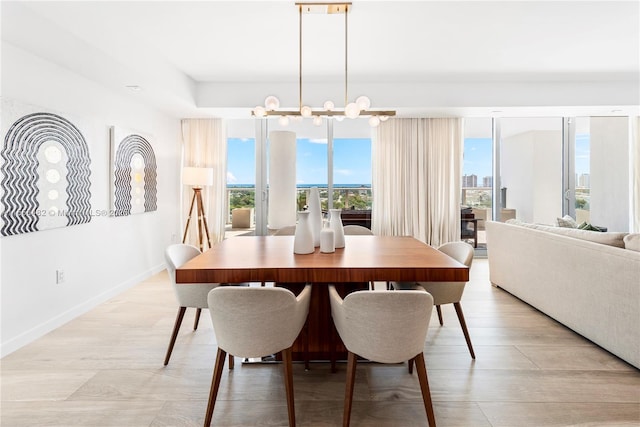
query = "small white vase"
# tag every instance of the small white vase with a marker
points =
(303, 238)
(315, 215)
(327, 239)
(336, 226)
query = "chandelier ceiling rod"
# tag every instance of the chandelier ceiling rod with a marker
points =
(352, 110)
(300, 56)
(346, 34)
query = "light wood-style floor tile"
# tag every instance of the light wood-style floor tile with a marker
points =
(105, 369)
(593, 414)
(79, 414)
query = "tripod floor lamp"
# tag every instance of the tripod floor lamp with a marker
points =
(197, 177)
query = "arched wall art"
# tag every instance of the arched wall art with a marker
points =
(133, 177)
(45, 175)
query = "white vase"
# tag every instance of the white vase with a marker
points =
(315, 215)
(336, 226)
(327, 239)
(303, 239)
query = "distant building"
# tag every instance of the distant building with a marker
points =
(487, 181)
(470, 181)
(584, 180)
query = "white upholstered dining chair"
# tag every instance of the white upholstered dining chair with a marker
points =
(288, 230)
(254, 322)
(359, 230)
(353, 230)
(384, 327)
(448, 292)
(188, 295)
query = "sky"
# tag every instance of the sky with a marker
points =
(351, 161)
(583, 151)
(477, 157)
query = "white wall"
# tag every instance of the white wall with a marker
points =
(531, 170)
(106, 255)
(609, 174)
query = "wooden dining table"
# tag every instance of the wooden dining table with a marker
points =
(364, 259)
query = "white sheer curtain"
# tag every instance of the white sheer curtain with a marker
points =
(204, 144)
(416, 179)
(635, 174)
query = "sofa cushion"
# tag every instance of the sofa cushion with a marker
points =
(605, 238)
(589, 227)
(632, 242)
(566, 221)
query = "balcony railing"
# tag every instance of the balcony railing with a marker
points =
(477, 197)
(344, 197)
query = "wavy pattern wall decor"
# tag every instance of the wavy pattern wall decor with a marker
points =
(133, 178)
(45, 175)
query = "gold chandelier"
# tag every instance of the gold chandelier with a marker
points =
(358, 108)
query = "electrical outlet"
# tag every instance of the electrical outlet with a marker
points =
(59, 277)
(174, 238)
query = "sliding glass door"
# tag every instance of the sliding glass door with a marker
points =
(597, 185)
(334, 156)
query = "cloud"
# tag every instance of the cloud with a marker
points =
(231, 177)
(345, 172)
(318, 140)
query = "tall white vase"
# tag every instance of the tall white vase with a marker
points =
(315, 215)
(303, 239)
(336, 224)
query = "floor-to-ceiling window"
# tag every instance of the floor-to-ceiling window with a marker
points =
(352, 165)
(477, 176)
(600, 171)
(334, 156)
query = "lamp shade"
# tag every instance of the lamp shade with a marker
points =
(197, 176)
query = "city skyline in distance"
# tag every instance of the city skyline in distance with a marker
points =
(478, 157)
(311, 158)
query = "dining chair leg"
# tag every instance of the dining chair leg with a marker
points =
(411, 366)
(197, 319)
(352, 361)
(332, 348)
(288, 385)
(424, 387)
(439, 310)
(231, 361)
(458, 308)
(305, 340)
(215, 384)
(174, 334)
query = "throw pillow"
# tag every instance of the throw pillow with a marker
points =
(589, 227)
(567, 222)
(632, 242)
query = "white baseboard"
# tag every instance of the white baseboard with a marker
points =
(44, 328)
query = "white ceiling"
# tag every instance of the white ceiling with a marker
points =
(421, 57)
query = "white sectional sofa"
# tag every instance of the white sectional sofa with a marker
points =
(585, 280)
